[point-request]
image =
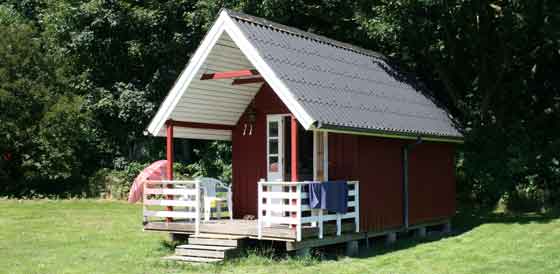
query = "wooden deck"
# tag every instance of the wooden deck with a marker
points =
(246, 228)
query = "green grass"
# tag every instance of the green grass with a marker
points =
(89, 236)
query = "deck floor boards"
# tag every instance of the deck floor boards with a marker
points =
(227, 227)
(239, 227)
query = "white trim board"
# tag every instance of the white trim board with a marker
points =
(226, 24)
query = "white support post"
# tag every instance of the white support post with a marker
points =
(144, 198)
(298, 212)
(315, 162)
(230, 203)
(338, 224)
(266, 207)
(325, 177)
(320, 223)
(197, 208)
(357, 205)
(260, 209)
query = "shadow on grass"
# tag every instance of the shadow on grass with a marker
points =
(467, 219)
(464, 221)
(262, 252)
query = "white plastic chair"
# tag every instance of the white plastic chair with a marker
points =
(209, 188)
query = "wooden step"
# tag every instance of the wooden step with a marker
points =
(205, 247)
(219, 236)
(214, 242)
(205, 251)
(192, 259)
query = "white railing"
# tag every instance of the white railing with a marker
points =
(281, 203)
(183, 196)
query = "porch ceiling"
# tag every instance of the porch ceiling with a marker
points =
(215, 101)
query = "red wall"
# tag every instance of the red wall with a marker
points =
(377, 164)
(249, 152)
(431, 182)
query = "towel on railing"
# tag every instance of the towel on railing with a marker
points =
(330, 195)
(315, 195)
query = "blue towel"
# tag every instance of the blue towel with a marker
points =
(332, 196)
(315, 195)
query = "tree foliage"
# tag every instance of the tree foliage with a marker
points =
(45, 132)
(493, 64)
(79, 80)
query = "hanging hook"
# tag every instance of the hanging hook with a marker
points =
(244, 129)
(251, 130)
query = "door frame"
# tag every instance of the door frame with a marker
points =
(279, 175)
(320, 143)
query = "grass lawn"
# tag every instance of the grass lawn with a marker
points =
(89, 236)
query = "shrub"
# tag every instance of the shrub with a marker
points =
(116, 183)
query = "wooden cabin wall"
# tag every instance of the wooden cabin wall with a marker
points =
(249, 152)
(377, 164)
(431, 182)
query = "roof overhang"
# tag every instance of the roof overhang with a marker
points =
(388, 134)
(198, 99)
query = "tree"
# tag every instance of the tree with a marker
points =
(126, 54)
(493, 65)
(103, 66)
(42, 127)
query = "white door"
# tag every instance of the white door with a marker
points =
(275, 147)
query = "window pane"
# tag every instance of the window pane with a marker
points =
(273, 164)
(273, 146)
(273, 129)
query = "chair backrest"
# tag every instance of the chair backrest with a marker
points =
(210, 185)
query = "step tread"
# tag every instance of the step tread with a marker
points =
(192, 259)
(206, 247)
(218, 236)
(214, 242)
(205, 253)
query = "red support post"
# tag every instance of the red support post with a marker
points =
(169, 152)
(294, 166)
(294, 161)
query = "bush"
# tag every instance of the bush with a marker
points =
(115, 183)
(526, 199)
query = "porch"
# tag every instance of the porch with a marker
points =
(284, 214)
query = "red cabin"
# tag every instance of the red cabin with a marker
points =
(301, 108)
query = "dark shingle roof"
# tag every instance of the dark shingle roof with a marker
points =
(340, 85)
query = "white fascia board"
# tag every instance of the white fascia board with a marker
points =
(252, 54)
(225, 23)
(187, 75)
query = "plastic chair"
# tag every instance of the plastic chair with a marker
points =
(209, 188)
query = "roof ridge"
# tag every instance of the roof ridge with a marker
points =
(304, 34)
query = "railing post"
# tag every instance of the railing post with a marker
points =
(145, 196)
(320, 223)
(338, 224)
(197, 208)
(259, 208)
(298, 212)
